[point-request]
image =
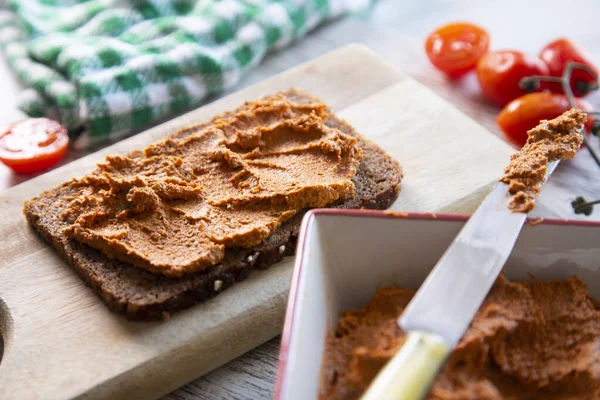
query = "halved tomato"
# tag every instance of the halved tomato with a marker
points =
(33, 145)
(455, 48)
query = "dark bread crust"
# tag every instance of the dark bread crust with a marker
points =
(141, 295)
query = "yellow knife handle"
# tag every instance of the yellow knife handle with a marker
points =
(410, 373)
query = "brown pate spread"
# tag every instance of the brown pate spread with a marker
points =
(174, 207)
(552, 140)
(529, 340)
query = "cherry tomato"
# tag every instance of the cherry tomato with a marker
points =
(499, 73)
(33, 145)
(524, 113)
(558, 53)
(455, 48)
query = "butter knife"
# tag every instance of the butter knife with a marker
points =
(443, 307)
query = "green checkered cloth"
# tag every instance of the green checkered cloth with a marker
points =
(110, 67)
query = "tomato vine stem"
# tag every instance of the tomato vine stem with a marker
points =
(532, 83)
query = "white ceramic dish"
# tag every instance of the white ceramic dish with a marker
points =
(343, 256)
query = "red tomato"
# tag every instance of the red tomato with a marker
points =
(455, 48)
(558, 53)
(524, 113)
(33, 145)
(499, 73)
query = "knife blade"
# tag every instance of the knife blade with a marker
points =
(450, 296)
(445, 304)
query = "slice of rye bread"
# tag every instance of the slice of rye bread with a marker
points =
(141, 295)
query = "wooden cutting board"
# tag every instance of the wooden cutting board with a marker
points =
(62, 342)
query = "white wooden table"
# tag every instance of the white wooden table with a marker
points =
(396, 30)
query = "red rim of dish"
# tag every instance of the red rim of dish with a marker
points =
(286, 336)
